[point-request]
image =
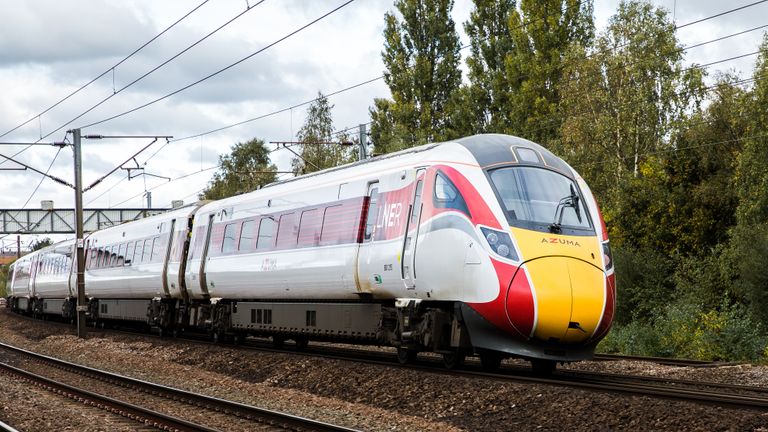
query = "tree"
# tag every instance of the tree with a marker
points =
(749, 242)
(485, 102)
(40, 243)
(421, 57)
(316, 132)
(678, 204)
(246, 168)
(621, 100)
(542, 32)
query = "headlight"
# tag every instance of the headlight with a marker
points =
(492, 238)
(500, 243)
(607, 256)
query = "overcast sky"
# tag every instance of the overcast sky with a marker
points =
(50, 48)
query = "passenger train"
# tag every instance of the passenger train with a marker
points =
(488, 245)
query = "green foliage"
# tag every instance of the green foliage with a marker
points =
(4, 280)
(644, 283)
(421, 57)
(245, 169)
(41, 243)
(677, 203)
(684, 329)
(622, 98)
(484, 105)
(542, 32)
(752, 176)
(706, 279)
(317, 131)
(749, 248)
(749, 239)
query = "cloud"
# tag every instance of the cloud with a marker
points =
(46, 31)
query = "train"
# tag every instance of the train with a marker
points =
(488, 245)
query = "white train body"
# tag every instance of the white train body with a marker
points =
(453, 247)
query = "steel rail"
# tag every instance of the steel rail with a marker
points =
(262, 415)
(565, 377)
(124, 409)
(669, 361)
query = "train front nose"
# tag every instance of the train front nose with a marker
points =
(569, 296)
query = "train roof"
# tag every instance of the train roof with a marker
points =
(487, 149)
(496, 149)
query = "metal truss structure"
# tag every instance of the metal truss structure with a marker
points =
(62, 221)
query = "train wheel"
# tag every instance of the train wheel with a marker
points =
(543, 367)
(405, 355)
(237, 339)
(217, 336)
(454, 360)
(278, 341)
(301, 343)
(490, 360)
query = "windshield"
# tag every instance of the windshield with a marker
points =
(538, 198)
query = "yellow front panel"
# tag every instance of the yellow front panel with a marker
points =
(534, 244)
(588, 294)
(567, 281)
(552, 287)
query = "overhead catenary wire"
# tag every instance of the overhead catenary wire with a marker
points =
(720, 14)
(151, 71)
(524, 24)
(211, 75)
(108, 70)
(166, 183)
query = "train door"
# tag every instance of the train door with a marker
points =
(72, 273)
(365, 274)
(167, 257)
(204, 255)
(408, 261)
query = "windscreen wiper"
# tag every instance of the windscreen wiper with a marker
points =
(572, 201)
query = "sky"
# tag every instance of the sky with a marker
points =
(51, 48)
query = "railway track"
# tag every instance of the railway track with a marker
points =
(667, 361)
(727, 395)
(720, 394)
(171, 408)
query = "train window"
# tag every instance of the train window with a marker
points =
(287, 231)
(311, 318)
(538, 198)
(258, 316)
(310, 227)
(447, 195)
(339, 225)
(129, 253)
(527, 155)
(137, 252)
(267, 316)
(266, 233)
(373, 213)
(158, 246)
(416, 213)
(121, 255)
(229, 244)
(246, 235)
(146, 251)
(105, 257)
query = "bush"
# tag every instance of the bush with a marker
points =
(686, 330)
(644, 282)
